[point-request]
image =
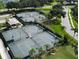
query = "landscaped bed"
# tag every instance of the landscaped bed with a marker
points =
(72, 20)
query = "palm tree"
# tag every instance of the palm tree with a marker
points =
(32, 53)
(49, 18)
(46, 46)
(40, 50)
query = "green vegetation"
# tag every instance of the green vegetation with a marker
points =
(51, 10)
(2, 5)
(65, 52)
(57, 28)
(0, 57)
(44, 10)
(2, 25)
(47, 9)
(57, 11)
(74, 13)
(27, 3)
(31, 53)
(73, 22)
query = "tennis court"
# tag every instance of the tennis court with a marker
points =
(22, 40)
(31, 16)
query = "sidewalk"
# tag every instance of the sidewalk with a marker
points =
(66, 23)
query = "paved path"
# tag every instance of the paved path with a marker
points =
(3, 52)
(66, 23)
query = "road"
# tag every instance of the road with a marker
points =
(3, 52)
(65, 22)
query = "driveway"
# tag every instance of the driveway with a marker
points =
(66, 23)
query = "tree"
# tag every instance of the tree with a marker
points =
(32, 53)
(2, 5)
(41, 50)
(47, 46)
(61, 1)
(12, 5)
(49, 18)
(30, 3)
(45, 1)
(57, 11)
(75, 12)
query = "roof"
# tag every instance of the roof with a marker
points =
(12, 21)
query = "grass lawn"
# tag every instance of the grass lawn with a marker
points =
(58, 29)
(44, 10)
(65, 52)
(0, 57)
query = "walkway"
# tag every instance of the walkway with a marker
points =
(66, 23)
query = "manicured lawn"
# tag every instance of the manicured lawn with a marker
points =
(59, 30)
(44, 10)
(65, 52)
